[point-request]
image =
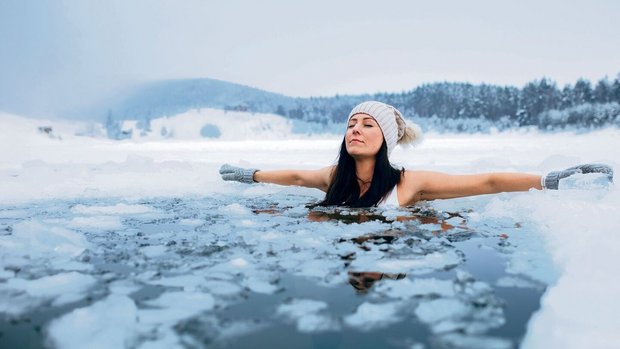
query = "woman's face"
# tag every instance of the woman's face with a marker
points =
(364, 136)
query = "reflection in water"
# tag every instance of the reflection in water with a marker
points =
(363, 281)
(413, 214)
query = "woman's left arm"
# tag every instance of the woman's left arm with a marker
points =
(428, 185)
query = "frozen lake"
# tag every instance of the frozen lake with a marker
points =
(141, 245)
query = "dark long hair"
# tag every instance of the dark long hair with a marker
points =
(344, 189)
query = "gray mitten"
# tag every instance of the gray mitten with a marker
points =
(233, 173)
(552, 179)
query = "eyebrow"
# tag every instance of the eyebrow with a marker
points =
(365, 118)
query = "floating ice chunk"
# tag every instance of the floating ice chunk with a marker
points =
(458, 341)
(512, 281)
(298, 211)
(271, 235)
(305, 313)
(239, 263)
(153, 251)
(21, 295)
(475, 289)
(109, 323)
(223, 288)
(318, 268)
(247, 223)
(372, 316)
(224, 269)
(96, 222)
(455, 221)
(35, 241)
(217, 275)
(430, 226)
(405, 288)
(172, 307)
(421, 265)
(192, 222)
(118, 209)
(451, 314)
(317, 323)
(444, 288)
(235, 209)
(440, 309)
(300, 307)
(391, 213)
(188, 282)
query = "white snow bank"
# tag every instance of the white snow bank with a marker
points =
(581, 230)
(215, 123)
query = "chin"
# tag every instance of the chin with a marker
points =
(353, 151)
(359, 154)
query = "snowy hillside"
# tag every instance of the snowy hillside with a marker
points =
(211, 124)
(23, 130)
(193, 125)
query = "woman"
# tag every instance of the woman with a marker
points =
(364, 176)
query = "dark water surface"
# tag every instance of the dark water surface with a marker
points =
(257, 256)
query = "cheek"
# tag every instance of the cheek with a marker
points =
(378, 138)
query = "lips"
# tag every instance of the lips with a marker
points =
(355, 140)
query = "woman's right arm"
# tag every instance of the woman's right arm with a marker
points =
(319, 179)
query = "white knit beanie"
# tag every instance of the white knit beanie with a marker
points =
(395, 130)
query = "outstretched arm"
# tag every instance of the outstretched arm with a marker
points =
(427, 185)
(319, 179)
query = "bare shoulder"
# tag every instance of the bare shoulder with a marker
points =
(326, 175)
(411, 188)
(413, 178)
(407, 188)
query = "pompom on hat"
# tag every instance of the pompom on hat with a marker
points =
(395, 129)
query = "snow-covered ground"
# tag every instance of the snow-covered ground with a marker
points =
(74, 208)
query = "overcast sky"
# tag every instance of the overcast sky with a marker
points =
(57, 52)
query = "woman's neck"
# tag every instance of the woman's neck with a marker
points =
(364, 169)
